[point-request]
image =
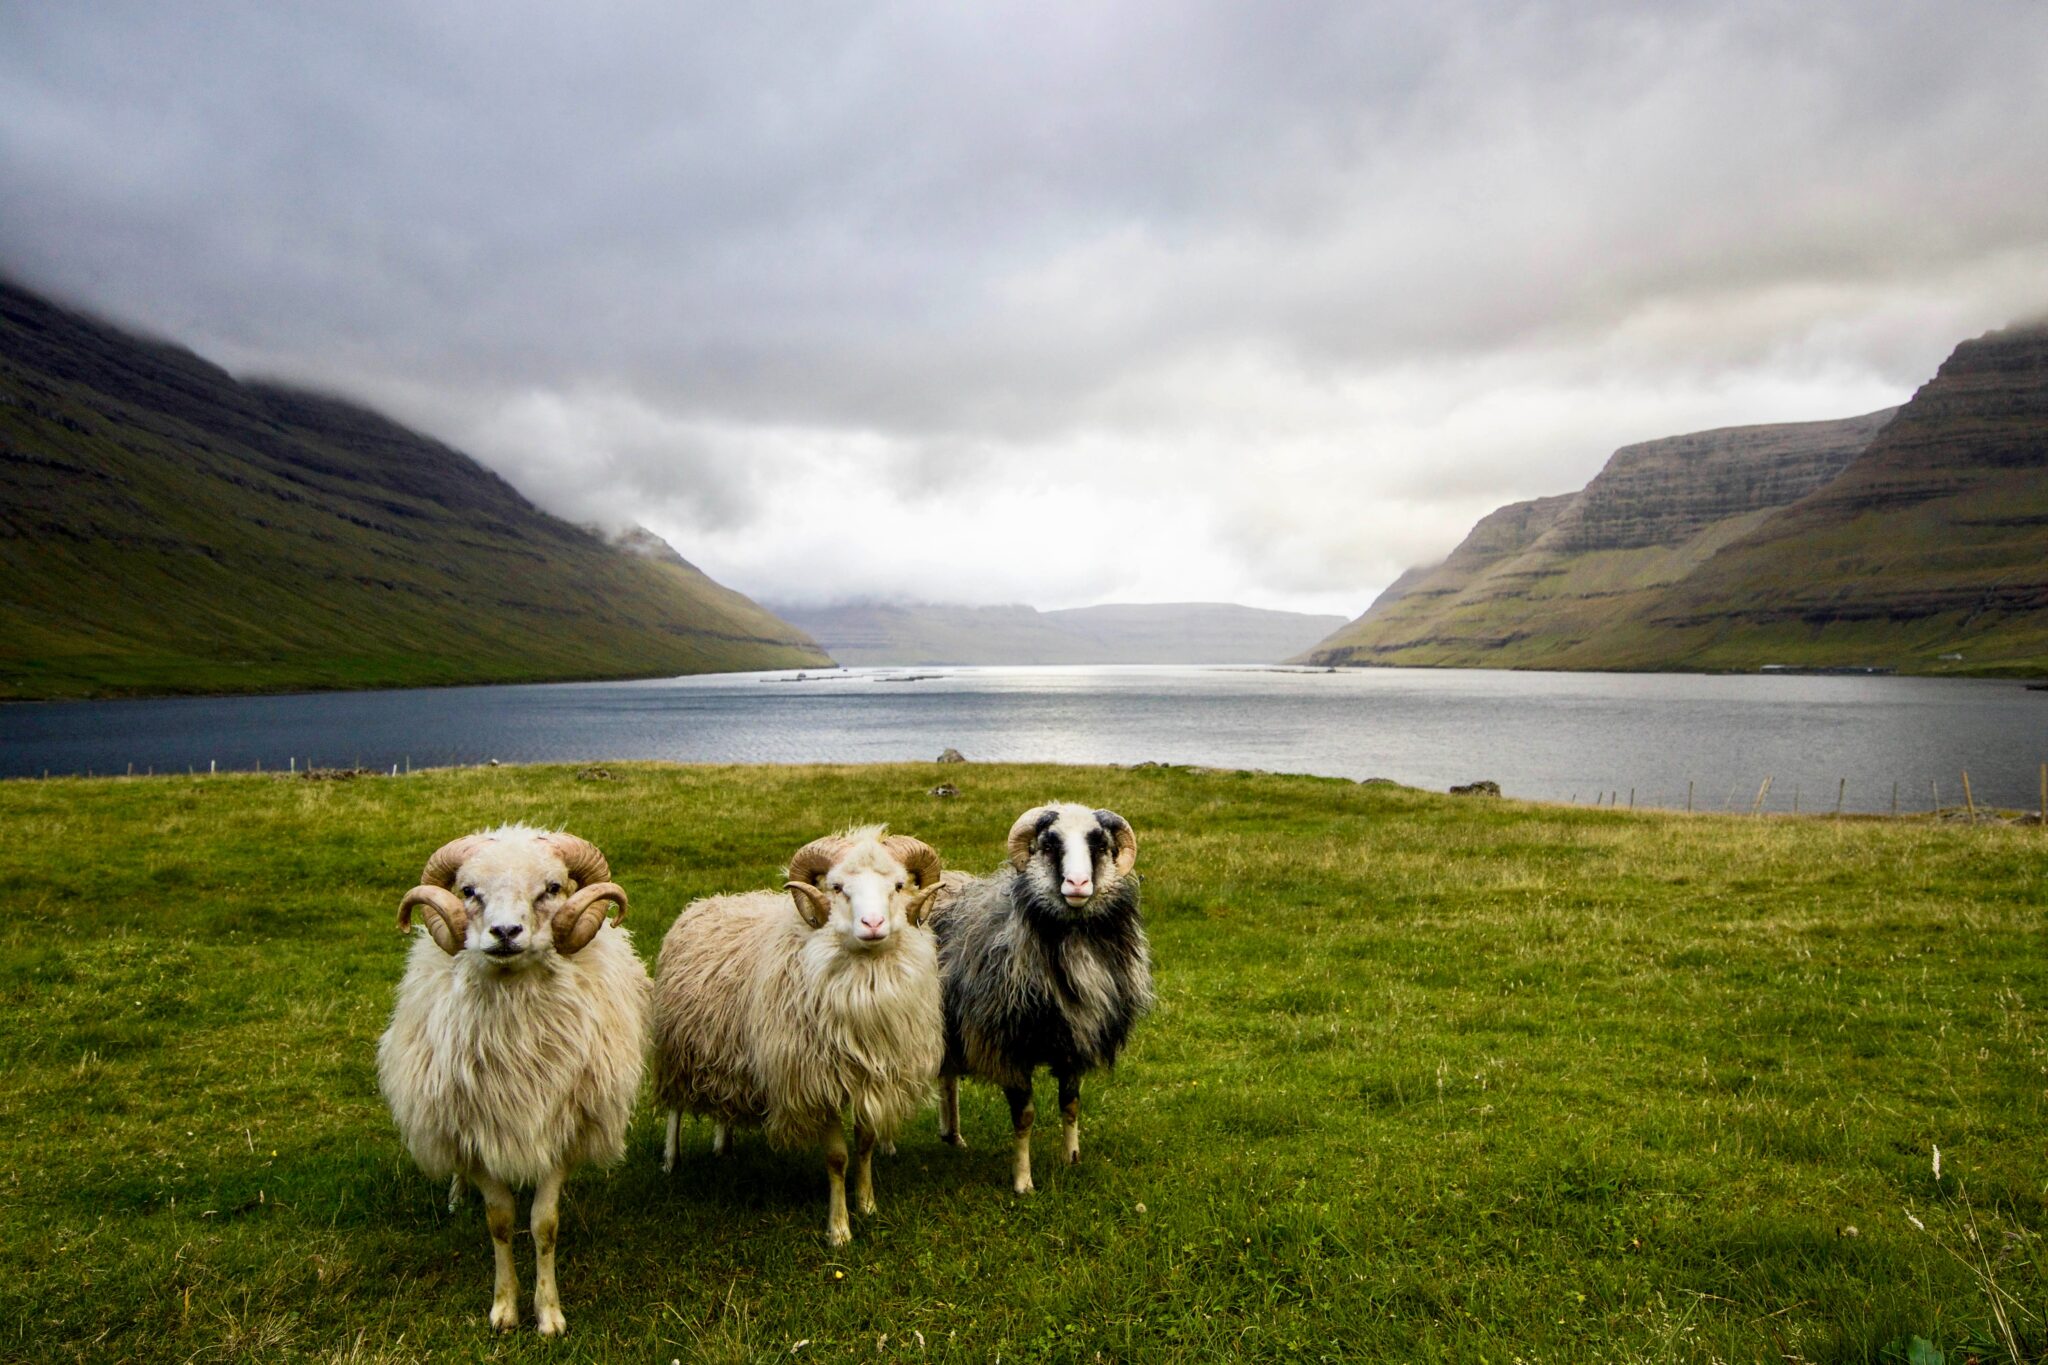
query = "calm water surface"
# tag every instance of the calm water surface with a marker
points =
(1561, 736)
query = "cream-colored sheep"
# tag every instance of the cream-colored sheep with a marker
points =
(517, 1045)
(788, 1016)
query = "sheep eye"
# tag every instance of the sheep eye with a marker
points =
(554, 888)
(470, 892)
(899, 883)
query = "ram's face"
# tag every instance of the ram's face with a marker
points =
(511, 894)
(865, 895)
(869, 903)
(1072, 852)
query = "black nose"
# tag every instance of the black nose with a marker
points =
(505, 933)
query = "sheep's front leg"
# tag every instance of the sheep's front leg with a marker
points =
(547, 1299)
(1070, 1118)
(499, 1212)
(721, 1136)
(668, 1147)
(1021, 1115)
(949, 1112)
(838, 1230)
(863, 1167)
(456, 1186)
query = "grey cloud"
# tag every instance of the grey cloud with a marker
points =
(686, 256)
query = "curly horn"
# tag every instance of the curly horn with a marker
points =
(1024, 831)
(815, 859)
(1126, 840)
(441, 911)
(583, 859)
(811, 862)
(919, 858)
(448, 859)
(577, 922)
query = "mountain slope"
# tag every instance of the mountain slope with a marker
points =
(869, 633)
(1933, 542)
(167, 528)
(1544, 583)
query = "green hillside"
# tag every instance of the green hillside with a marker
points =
(1544, 584)
(167, 528)
(1913, 540)
(1933, 543)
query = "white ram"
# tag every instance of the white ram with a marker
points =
(519, 1039)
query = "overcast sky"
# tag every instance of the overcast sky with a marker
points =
(1052, 303)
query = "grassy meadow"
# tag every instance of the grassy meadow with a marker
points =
(1430, 1079)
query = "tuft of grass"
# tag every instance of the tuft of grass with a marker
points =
(1430, 1079)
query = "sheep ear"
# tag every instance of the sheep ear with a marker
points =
(920, 905)
(814, 905)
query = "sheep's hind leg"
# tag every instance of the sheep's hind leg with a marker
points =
(838, 1229)
(1021, 1115)
(863, 1168)
(721, 1137)
(668, 1147)
(949, 1112)
(1070, 1118)
(457, 1187)
(499, 1212)
(547, 1299)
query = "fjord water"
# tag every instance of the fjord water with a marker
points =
(1553, 736)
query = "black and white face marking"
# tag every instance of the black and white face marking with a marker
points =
(1077, 848)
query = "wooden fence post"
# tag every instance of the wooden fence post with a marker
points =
(1969, 801)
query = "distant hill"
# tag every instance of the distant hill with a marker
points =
(168, 528)
(1157, 633)
(1882, 541)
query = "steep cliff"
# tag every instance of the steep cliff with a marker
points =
(1538, 584)
(1934, 542)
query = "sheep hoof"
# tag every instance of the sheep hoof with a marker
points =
(1023, 1185)
(1074, 1157)
(953, 1139)
(838, 1237)
(867, 1205)
(504, 1316)
(552, 1323)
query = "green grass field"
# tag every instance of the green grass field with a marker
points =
(1430, 1079)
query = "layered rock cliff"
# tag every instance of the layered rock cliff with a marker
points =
(1536, 583)
(1933, 543)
